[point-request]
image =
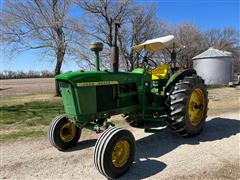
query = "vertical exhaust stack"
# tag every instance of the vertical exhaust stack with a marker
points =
(115, 50)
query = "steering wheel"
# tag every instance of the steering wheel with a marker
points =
(152, 64)
(148, 64)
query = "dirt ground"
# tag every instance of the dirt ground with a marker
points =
(222, 100)
(214, 154)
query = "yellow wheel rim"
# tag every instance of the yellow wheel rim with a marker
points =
(67, 132)
(196, 106)
(120, 153)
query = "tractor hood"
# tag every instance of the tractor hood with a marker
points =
(99, 76)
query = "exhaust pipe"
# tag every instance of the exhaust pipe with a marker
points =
(115, 50)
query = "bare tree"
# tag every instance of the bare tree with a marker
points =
(227, 39)
(104, 14)
(138, 23)
(141, 25)
(192, 38)
(37, 24)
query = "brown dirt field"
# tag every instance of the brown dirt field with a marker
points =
(20, 91)
(14, 87)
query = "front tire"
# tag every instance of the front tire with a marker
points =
(63, 134)
(187, 106)
(114, 152)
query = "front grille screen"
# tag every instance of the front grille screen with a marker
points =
(105, 98)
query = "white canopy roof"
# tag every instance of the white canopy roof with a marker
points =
(154, 45)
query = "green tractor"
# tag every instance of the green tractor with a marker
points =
(153, 96)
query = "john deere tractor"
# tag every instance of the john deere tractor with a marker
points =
(153, 96)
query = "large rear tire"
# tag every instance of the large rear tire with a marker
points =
(114, 152)
(63, 134)
(187, 106)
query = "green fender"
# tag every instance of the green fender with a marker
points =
(176, 76)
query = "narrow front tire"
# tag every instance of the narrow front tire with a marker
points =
(63, 134)
(114, 152)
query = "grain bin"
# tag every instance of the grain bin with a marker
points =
(214, 66)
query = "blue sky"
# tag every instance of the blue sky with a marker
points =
(205, 14)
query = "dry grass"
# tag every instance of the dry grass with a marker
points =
(21, 99)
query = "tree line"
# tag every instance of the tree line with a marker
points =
(8, 74)
(63, 29)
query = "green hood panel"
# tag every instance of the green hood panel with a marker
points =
(73, 75)
(138, 70)
(97, 76)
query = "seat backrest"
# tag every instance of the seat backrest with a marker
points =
(160, 72)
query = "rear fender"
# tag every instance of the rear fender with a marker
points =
(177, 76)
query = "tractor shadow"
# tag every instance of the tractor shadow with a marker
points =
(2, 89)
(82, 145)
(155, 146)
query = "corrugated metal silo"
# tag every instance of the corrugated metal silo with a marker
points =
(214, 66)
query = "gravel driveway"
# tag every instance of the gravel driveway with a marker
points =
(215, 154)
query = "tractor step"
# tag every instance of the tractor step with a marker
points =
(128, 94)
(155, 125)
(154, 122)
(154, 130)
(155, 108)
(159, 119)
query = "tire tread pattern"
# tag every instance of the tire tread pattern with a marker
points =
(101, 146)
(177, 101)
(55, 139)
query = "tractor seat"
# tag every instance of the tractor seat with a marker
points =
(160, 72)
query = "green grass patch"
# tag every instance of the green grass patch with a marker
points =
(20, 135)
(30, 114)
(27, 120)
(21, 99)
(31, 119)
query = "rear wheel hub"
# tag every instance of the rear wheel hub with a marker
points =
(196, 106)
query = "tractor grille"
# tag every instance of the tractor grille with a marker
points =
(106, 96)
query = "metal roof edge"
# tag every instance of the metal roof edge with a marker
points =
(210, 57)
